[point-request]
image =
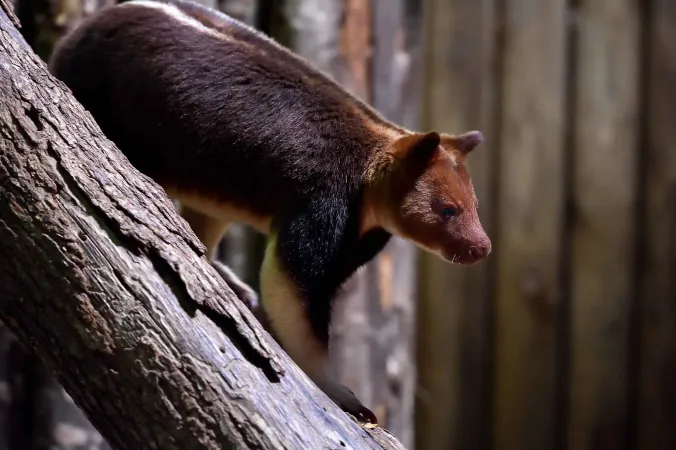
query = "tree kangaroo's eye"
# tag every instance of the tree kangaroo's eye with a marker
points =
(448, 212)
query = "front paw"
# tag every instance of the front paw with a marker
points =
(347, 401)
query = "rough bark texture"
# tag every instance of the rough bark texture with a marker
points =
(42, 415)
(109, 287)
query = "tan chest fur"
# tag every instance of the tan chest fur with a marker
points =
(220, 210)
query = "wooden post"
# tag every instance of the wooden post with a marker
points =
(530, 218)
(657, 401)
(602, 224)
(454, 348)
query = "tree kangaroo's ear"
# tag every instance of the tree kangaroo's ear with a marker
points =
(416, 150)
(408, 155)
(462, 143)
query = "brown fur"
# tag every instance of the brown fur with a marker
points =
(239, 129)
(410, 190)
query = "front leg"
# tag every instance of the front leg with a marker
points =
(210, 231)
(302, 269)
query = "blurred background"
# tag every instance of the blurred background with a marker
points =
(566, 337)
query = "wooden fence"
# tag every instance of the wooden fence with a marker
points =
(566, 338)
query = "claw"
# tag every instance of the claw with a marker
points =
(347, 401)
(239, 287)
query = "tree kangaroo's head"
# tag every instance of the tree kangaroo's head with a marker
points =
(423, 192)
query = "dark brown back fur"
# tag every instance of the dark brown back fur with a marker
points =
(245, 34)
(163, 91)
(227, 113)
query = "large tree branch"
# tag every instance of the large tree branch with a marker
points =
(110, 288)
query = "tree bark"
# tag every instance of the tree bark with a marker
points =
(111, 289)
(39, 414)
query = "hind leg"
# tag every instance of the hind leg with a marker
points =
(210, 231)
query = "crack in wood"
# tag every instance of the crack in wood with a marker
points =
(169, 275)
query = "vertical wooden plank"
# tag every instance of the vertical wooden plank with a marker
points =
(657, 401)
(454, 349)
(530, 214)
(603, 229)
